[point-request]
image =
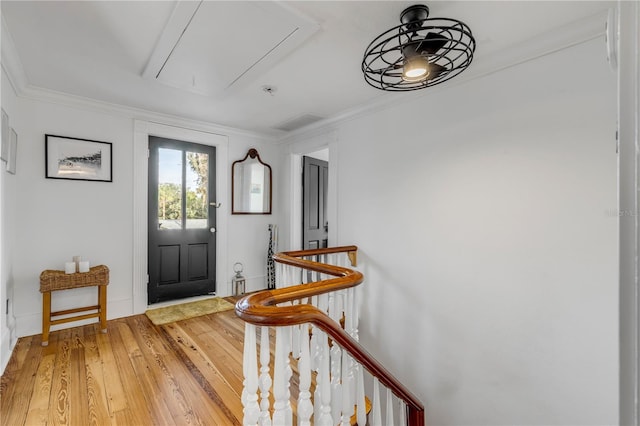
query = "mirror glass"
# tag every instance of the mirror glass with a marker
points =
(251, 185)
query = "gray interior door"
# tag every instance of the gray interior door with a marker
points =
(182, 239)
(315, 179)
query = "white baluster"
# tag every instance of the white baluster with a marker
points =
(316, 347)
(289, 373)
(389, 407)
(279, 274)
(347, 370)
(304, 274)
(347, 405)
(402, 413)
(377, 412)
(295, 337)
(336, 362)
(292, 276)
(350, 382)
(314, 344)
(251, 409)
(323, 302)
(305, 407)
(319, 337)
(288, 276)
(311, 275)
(280, 382)
(307, 274)
(360, 396)
(285, 276)
(265, 378)
(348, 311)
(299, 276)
(245, 365)
(321, 259)
(344, 311)
(353, 365)
(324, 418)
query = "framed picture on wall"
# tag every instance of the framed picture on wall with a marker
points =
(77, 159)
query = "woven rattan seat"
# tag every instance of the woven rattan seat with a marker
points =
(52, 280)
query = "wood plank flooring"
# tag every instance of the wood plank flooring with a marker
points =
(184, 373)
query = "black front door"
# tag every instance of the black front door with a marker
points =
(182, 243)
(314, 197)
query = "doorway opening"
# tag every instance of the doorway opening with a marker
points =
(297, 197)
(315, 187)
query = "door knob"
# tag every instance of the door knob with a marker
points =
(213, 230)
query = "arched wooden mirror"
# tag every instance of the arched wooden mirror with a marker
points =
(250, 185)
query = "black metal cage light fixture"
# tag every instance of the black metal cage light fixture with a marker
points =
(420, 52)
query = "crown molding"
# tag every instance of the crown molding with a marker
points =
(561, 38)
(80, 102)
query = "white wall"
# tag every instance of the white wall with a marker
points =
(490, 261)
(7, 236)
(56, 219)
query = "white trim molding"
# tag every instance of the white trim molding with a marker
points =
(628, 55)
(142, 131)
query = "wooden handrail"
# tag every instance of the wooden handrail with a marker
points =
(260, 309)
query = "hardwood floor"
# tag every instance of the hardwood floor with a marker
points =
(184, 373)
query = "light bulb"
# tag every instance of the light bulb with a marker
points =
(415, 68)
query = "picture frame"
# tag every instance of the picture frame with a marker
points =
(13, 152)
(4, 152)
(251, 185)
(78, 159)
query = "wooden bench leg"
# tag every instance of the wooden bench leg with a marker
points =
(46, 317)
(102, 301)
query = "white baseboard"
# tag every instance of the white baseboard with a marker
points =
(254, 284)
(6, 348)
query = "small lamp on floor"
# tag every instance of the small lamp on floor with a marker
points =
(238, 282)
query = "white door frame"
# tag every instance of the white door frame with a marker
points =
(142, 131)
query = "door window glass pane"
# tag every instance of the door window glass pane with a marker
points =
(197, 203)
(169, 188)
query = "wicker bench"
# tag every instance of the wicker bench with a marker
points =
(51, 280)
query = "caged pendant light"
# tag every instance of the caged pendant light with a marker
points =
(420, 52)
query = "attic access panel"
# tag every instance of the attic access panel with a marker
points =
(209, 47)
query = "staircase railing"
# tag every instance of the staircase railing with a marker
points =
(321, 294)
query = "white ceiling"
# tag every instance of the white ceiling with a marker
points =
(112, 50)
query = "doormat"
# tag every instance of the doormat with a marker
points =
(188, 310)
